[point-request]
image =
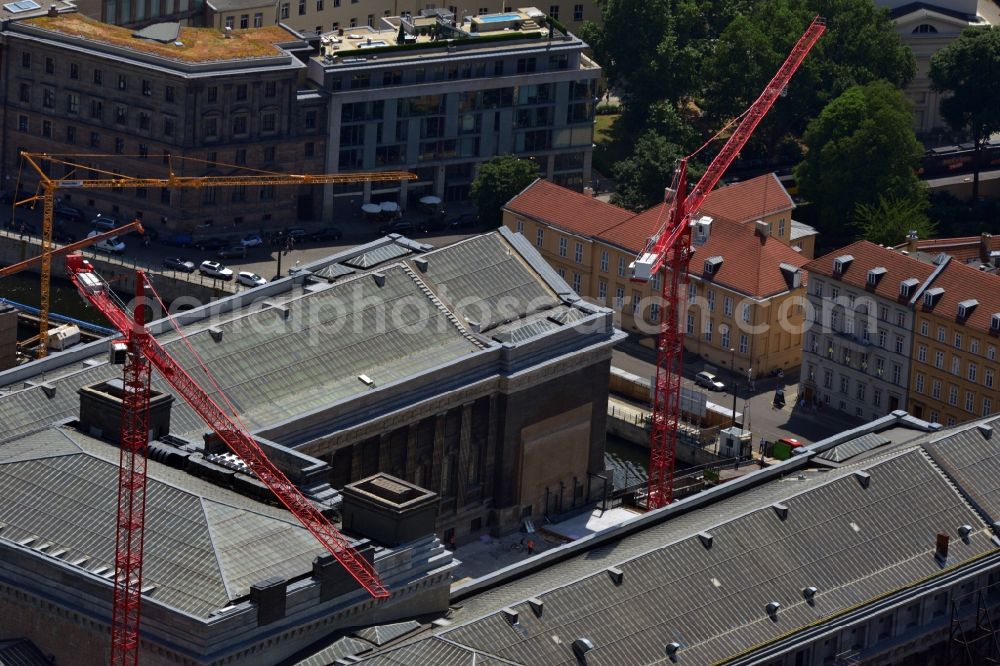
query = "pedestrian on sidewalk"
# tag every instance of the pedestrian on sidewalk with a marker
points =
(531, 546)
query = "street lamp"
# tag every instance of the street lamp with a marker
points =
(732, 366)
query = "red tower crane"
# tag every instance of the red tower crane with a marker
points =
(139, 351)
(671, 247)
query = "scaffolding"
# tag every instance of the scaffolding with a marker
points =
(974, 644)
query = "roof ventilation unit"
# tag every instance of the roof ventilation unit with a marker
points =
(941, 547)
(781, 510)
(762, 228)
(379, 279)
(537, 606)
(985, 430)
(863, 477)
(809, 594)
(706, 539)
(216, 333)
(672, 649)
(366, 380)
(617, 575)
(581, 647)
(510, 615)
(964, 532)
(772, 610)
(421, 264)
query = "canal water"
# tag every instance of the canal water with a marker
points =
(24, 288)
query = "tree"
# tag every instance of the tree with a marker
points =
(969, 69)
(642, 177)
(860, 45)
(891, 219)
(861, 147)
(497, 182)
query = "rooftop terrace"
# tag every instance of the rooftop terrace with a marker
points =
(194, 44)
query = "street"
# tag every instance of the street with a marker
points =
(807, 424)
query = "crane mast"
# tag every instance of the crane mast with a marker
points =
(671, 248)
(142, 352)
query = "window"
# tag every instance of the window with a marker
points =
(122, 82)
(143, 151)
(922, 353)
(988, 378)
(970, 401)
(554, 11)
(828, 379)
(258, 20)
(25, 94)
(244, 21)
(168, 93)
(881, 338)
(923, 327)
(578, 253)
(285, 10)
(119, 146)
(974, 345)
(727, 306)
(48, 98)
(953, 395)
(746, 312)
(956, 365)
(883, 313)
(526, 65)
(230, 21)
(602, 290)
(310, 120)
(987, 407)
(939, 359)
(241, 156)
(210, 128)
(901, 319)
(897, 372)
(724, 331)
(934, 416)
(707, 333)
(940, 334)
(95, 140)
(371, 20)
(520, 226)
(147, 88)
(692, 292)
(145, 120)
(859, 390)
(168, 127)
(270, 89)
(241, 92)
(899, 344)
(96, 109)
(353, 23)
(845, 384)
(991, 352)
(212, 94)
(562, 247)
(577, 13)
(924, 29)
(302, 7)
(268, 122)
(877, 398)
(121, 114)
(50, 66)
(26, 60)
(744, 343)
(621, 266)
(654, 312)
(619, 297)
(269, 153)
(920, 382)
(604, 261)
(973, 371)
(880, 366)
(47, 129)
(539, 237)
(319, 5)
(958, 341)
(689, 327)
(239, 125)
(711, 300)
(654, 282)
(70, 134)
(636, 299)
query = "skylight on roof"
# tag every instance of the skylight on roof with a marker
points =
(21, 6)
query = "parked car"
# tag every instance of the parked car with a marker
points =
(252, 240)
(211, 244)
(250, 279)
(179, 240)
(113, 245)
(178, 264)
(464, 221)
(331, 234)
(68, 213)
(403, 228)
(233, 252)
(709, 381)
(105, 222)
(216, 270)
(298, 235)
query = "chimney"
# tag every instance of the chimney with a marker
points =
(53, 11)
(941, 548)
(911, 241)
(762, 228)
(985, 246)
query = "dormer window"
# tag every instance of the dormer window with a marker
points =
(931, 296)
(874, 275)
(966, 307)
(712, 265)
(841, 263)
(995, 322)
(906, 287)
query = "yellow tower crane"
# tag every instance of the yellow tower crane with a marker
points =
(47, 187)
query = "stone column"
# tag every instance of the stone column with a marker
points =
(384, 454)
(488, 462)
(357, 456)
(411, 450)
(464, 441)
(437, 459)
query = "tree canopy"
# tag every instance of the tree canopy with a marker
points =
(890, 219)
(643, 176)
(969, 70)
(861, 147)
(498, 180)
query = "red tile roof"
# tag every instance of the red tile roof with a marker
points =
(748, 200)
(750, 263)
(867, 256)
(965, 248)
(571, 211)
(962, 282)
